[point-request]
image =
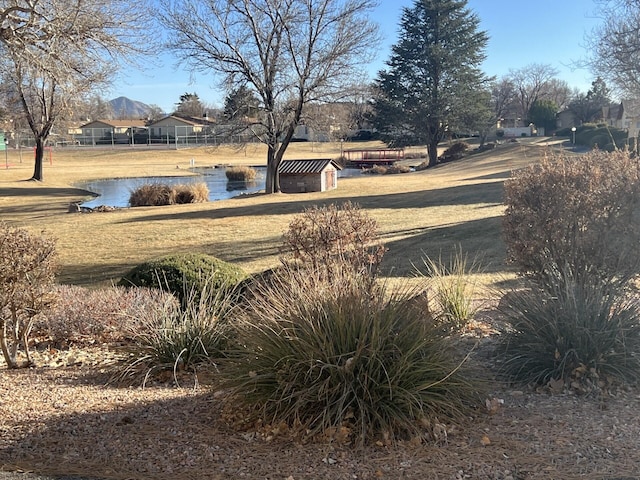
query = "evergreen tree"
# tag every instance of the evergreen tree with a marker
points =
(433, 74)
(543, 114)
(189, 105)
(588, 108)
(240, 103)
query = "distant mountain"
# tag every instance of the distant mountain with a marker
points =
(124, 107)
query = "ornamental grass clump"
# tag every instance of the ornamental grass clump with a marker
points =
(338, 353)
(152, 195)
(241, 173)
(191, 193)
(159, 194)
(573, 329)
(452, 290)
(180, 338)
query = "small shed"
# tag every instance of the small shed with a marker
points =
(299, 176)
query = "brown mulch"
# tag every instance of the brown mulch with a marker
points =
(62, 418)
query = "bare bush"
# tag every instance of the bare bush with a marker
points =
(322, 234)
(84, 317)
(26, 287)
(454, 152)
(579, 213)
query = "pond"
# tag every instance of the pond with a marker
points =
(116, 192)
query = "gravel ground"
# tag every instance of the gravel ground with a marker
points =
(61, 419)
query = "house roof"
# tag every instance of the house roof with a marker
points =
(631, 108)
(116, 123)
(182, 120)
(306, 166)
(612, 112)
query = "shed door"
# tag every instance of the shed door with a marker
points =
(330, 179)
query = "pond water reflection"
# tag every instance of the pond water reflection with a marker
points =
(116, 192)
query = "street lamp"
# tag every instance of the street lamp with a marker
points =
(573, 135)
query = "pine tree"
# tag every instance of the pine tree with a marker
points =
(433, 74)
(240, 103)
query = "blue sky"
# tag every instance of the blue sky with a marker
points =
(520, 33)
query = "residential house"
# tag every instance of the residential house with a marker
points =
(173, 127)
(109, 132)
(625, 116)
(566, 119)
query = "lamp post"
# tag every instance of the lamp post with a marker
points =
(6, 153)
(573, 135)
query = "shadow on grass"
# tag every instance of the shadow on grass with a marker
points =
(479, 238)
(54, 192)
(485, 193)
(234, 251)
(91, 274)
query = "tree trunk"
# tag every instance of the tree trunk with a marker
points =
(271, 184)
(432, 151)
(38, 168)
(11, 361)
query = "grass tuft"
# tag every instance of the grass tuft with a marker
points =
(151, 195)
(180, 339)
(453, 292)
(159, 194)
(575, 329)
(241, 173)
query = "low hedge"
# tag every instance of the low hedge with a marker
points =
(185, 275)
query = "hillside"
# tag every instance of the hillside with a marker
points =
(124, 107)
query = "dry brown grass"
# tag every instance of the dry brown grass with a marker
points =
(241, 173)
(433, 212)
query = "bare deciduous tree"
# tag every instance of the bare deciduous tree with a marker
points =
(532, 83)
(55, 52)
(615, 45)
(289, 52)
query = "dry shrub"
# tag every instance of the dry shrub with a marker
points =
(579, 213)
(241, 173)
(415, 155)
(394, 169)
(390, 170)
(322, 234)
(26, 287)
(376, 170)
(84, 317)
(454, 152)
(152, 195)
